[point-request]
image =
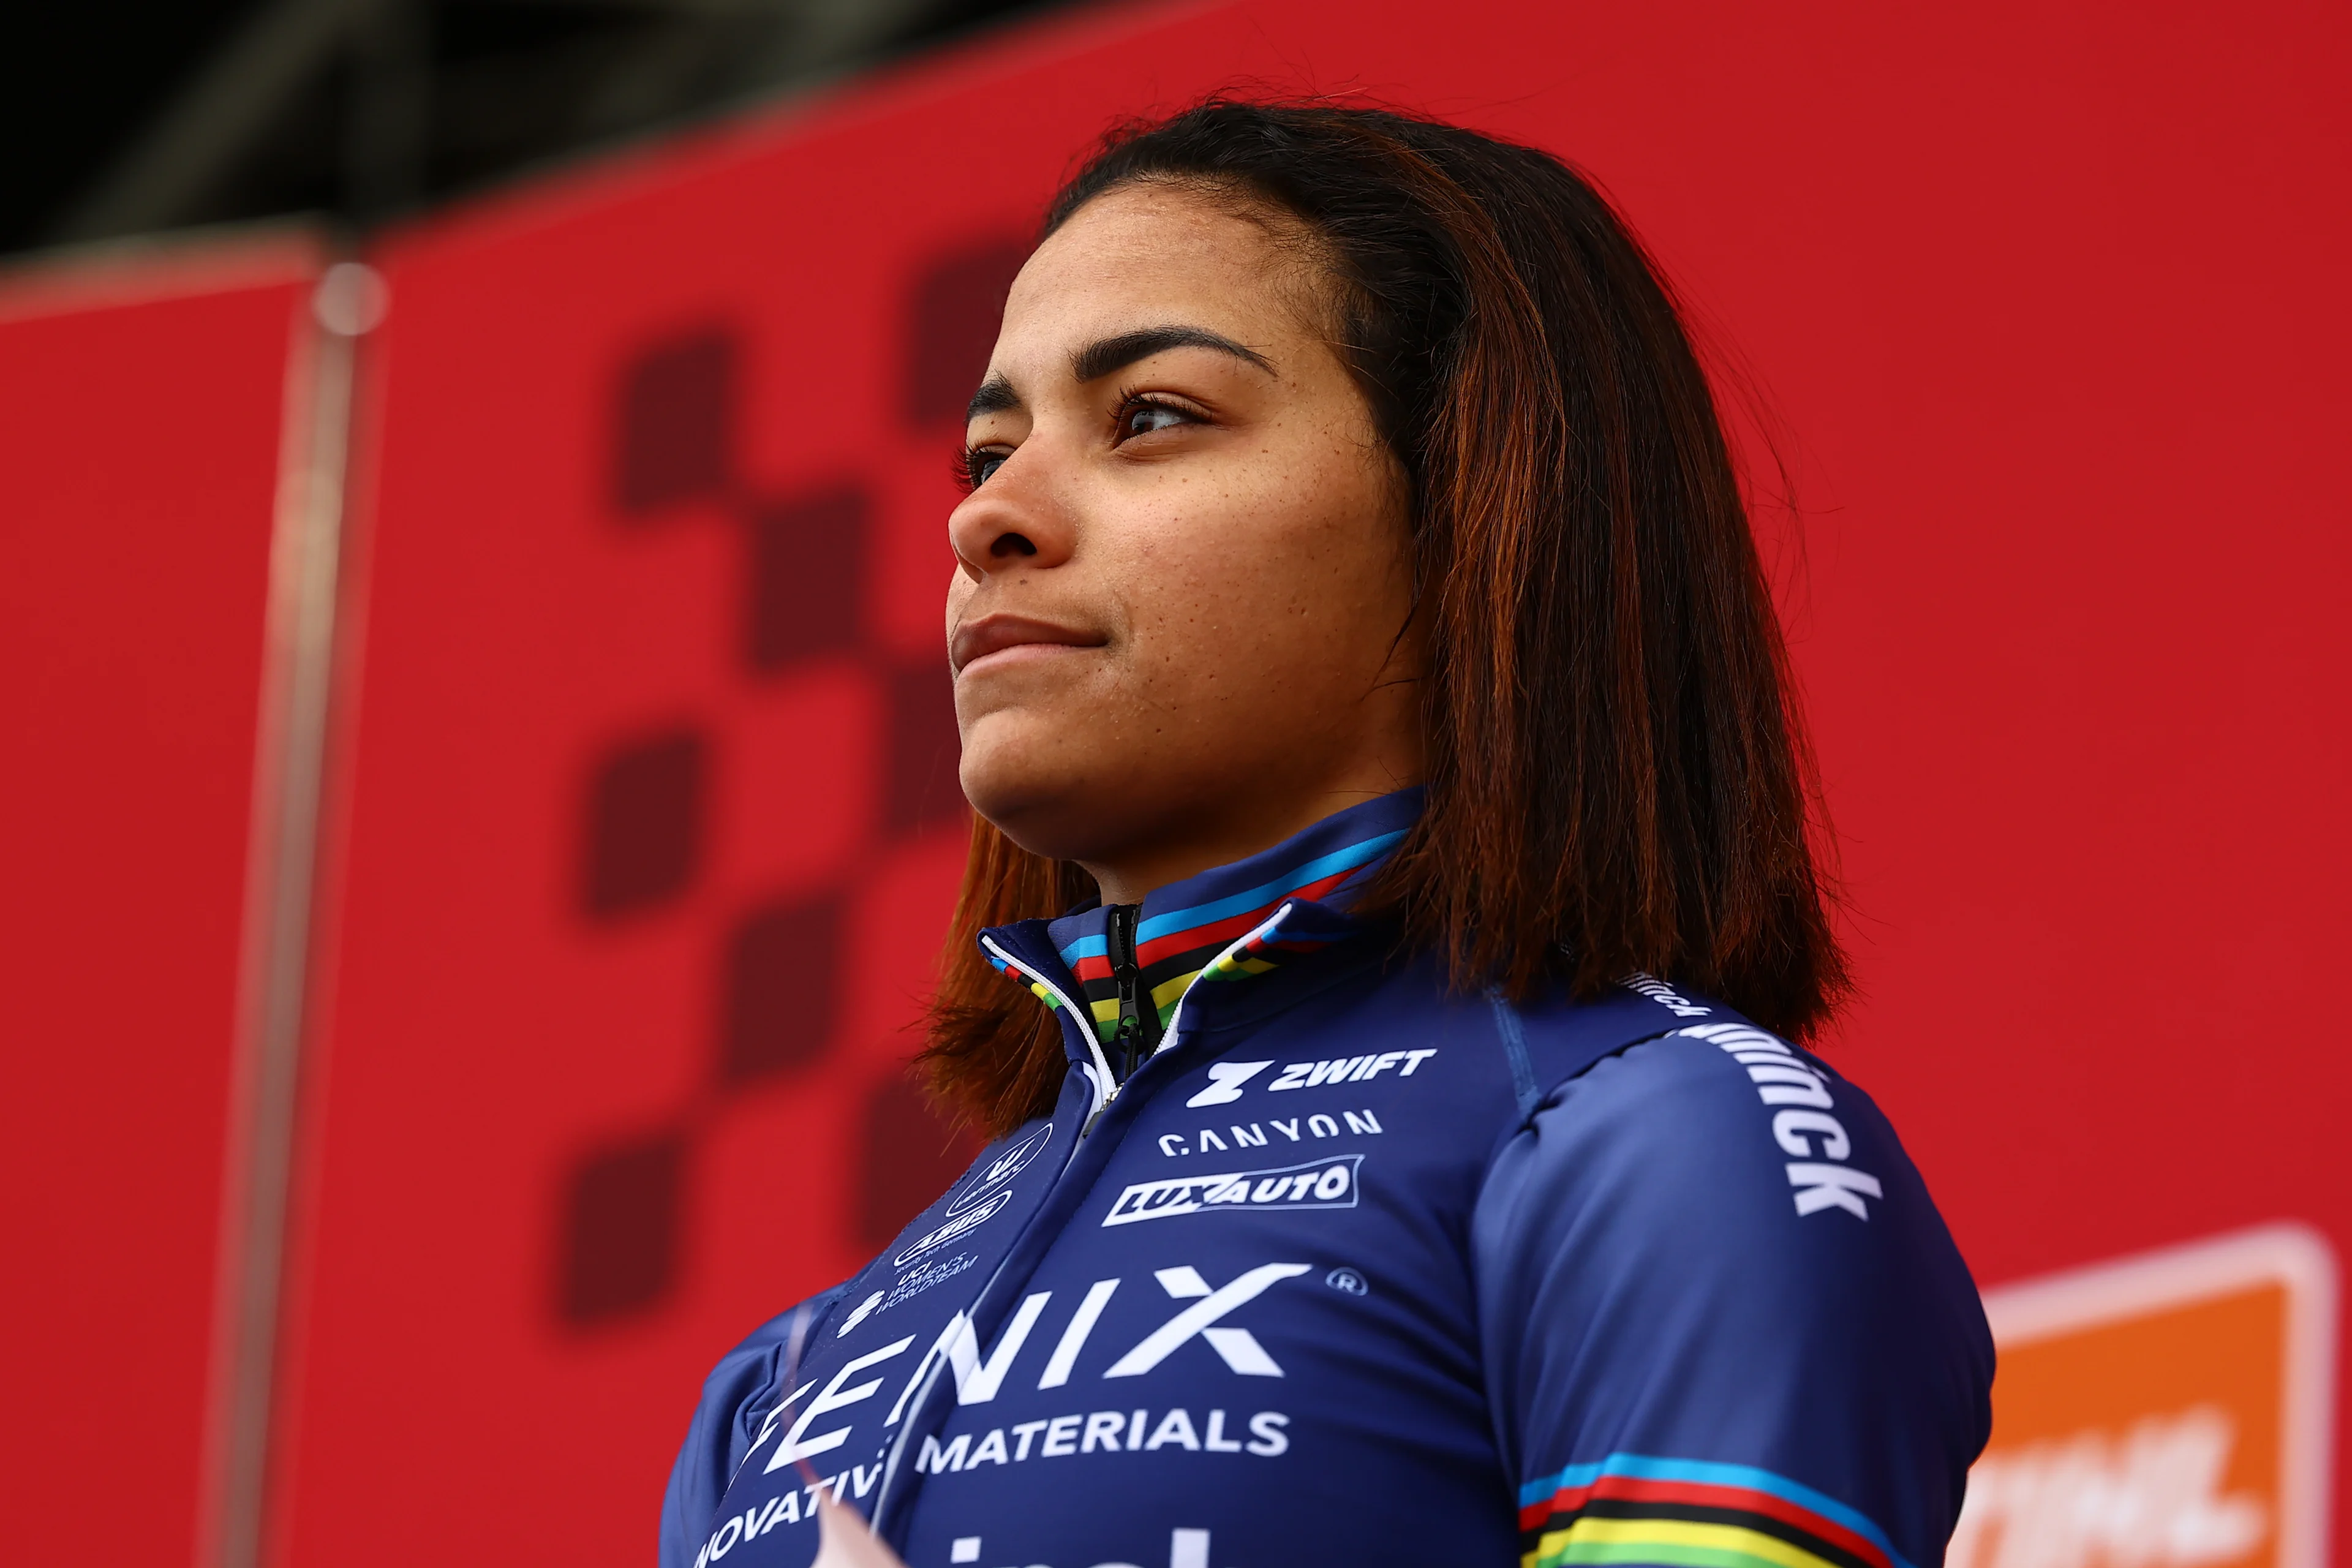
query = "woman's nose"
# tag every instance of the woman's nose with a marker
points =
(1013, 519)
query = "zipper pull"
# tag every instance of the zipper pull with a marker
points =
(1126, 973)
(1098, 1113)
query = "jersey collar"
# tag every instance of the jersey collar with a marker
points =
(1224, 926)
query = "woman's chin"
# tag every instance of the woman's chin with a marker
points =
(1033, 806)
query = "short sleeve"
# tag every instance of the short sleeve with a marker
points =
(1723, 1321)
(734, 1400)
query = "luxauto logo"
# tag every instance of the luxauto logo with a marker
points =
(1319, 1184)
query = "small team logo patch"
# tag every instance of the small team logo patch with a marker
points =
(1001, 1169)
(1321, 1184)
(970, 1219)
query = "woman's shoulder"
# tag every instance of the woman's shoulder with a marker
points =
(756, 1358)
(1723, 1096)
(1721, 1156)
(735, 1397)
(1715, 1201)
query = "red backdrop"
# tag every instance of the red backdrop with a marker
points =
(140, 407)
(648, 825)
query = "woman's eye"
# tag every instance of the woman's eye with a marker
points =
(979, 462)
(1143, 418)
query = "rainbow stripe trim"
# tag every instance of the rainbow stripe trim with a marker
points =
(1630, 1508)
(1177, 947)
(1037, 988)
(1238, 912)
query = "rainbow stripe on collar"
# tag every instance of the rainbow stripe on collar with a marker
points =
(1186, 928)
(1036, 987)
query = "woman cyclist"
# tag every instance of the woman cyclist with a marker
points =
(1389, 937)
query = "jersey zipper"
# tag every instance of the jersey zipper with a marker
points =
(1099, 1071)
(1138, 1019)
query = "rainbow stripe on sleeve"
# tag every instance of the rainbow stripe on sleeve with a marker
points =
(1630, 1509)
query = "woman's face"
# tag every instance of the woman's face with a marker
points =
(1182, 624)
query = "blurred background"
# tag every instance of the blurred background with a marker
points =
(127, 118)
(480, 796)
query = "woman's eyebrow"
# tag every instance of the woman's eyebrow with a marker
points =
(995, 396)
(1104, 355)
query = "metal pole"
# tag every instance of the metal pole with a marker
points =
(291, 769)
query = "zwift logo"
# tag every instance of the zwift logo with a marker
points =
(1228, 1080)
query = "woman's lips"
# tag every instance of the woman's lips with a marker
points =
(993, 635)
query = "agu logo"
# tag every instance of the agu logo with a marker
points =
(970, 1220)
(2166, 1411)
(1320, 1184)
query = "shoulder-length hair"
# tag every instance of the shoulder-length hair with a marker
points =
(1618, 778)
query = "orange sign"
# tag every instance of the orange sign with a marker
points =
(2172, 1410)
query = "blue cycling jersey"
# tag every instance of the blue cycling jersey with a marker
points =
(1357, 1269)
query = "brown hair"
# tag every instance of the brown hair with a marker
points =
(1618, 774)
